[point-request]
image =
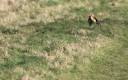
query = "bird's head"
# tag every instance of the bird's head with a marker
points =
(92, 15)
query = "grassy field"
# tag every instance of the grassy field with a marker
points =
(51, 40)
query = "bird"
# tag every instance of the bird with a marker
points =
(93, 20)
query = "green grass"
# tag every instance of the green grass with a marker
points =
(51, 40)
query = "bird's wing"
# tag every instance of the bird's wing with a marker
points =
(93, 19)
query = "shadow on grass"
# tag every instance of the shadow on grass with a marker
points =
(9, 31)
(66, 30)
(23, 61)
(62, 28)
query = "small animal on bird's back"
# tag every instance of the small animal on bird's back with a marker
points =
(93, 20)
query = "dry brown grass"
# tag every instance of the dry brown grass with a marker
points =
(23, 12)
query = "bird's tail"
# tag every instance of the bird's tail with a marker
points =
(98, 22)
